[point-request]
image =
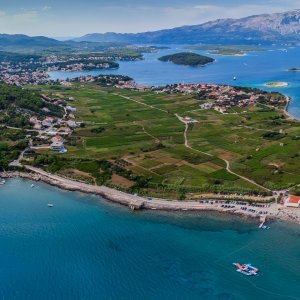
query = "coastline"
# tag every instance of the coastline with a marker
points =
(285, 110)
(271, 211)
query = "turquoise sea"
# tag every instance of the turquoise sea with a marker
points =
(254, 69)
(87, 248)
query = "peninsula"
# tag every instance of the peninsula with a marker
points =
(187, 59)
(185, 142)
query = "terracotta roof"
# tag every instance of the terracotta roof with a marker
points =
(294, 199)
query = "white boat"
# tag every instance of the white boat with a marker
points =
(50, 205)
(234, 78)
(32, 186)
(2, 181)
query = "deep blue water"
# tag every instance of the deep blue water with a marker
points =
(254, 69)
(86, 248)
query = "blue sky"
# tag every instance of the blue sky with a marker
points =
(59, 18)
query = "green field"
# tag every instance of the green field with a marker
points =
(140, 136)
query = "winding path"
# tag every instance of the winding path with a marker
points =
(186, 143)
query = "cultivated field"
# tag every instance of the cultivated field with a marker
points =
(141, 136)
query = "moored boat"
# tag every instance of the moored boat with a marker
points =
(2, 181)
(246, 269)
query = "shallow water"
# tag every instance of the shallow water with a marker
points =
(87, 248)
(254, 69)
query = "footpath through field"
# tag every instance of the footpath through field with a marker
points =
(186, 142)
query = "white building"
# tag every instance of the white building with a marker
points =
(57, 146)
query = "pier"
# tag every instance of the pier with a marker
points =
(136, 205)
(262, 221)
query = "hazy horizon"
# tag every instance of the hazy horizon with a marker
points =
(55, 18)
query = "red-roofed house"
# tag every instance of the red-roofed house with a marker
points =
(33, 120)
(293, 201)
(37, 125)
(56, 139)
(47, 122)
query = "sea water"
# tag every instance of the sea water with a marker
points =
(87, 248)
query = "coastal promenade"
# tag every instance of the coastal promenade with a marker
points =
(135, 202)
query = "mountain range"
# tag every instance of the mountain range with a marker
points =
(275, 28)
(264, 29)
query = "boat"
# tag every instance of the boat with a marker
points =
(234, 78)
(2, 181)
(50, 205)
(32, 186)
(246, 269)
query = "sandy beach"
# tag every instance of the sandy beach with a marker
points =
(135, 202)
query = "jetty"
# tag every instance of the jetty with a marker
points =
(136, 204)
(262, 221)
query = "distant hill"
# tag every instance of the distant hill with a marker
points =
(24, 43)
(21, 40)
(188, 59)
(265, 29)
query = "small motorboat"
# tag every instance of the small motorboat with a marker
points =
(234, 78)
(246, 269)
(2, 181)
(264, 227)
(32, 186)
(50, 205)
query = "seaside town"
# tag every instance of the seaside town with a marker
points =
(18, 69)
(35, 73)
(222, 98)
(35, 70)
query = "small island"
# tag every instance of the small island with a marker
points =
(277, 84)
(188, 59)
(226, 50)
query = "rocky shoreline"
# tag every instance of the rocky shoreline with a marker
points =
(288, 115)
(135, 202)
